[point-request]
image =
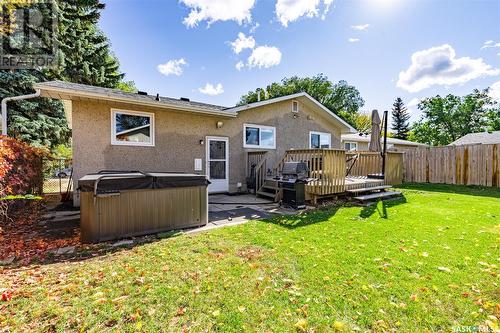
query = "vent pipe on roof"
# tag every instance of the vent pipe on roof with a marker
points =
(258, 94)
(157, 97)
(14, 98)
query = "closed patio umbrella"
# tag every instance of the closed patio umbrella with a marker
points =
(375, 135)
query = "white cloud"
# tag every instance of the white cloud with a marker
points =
(353, 40)
(360, 27)
(218, 10)
(212, 90)
(291, 10)
(242, 42)
(264, 56)
(172, 67)
(495, 91)
(440, 66)
(239, 66)
(490, 44)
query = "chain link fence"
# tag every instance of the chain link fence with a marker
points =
(57, 175)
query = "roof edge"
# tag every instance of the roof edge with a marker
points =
(253, 105)
(129, 100)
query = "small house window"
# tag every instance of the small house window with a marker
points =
(130, 128)
(295, 106)
(258, 136)
(350, 146)
(320, 140)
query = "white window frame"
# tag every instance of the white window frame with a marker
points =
(329, 135)
(295, 102)
(115, 142)
(351, 143)
(260, 127)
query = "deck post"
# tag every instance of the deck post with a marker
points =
(386, 114)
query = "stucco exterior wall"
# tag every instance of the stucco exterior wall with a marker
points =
(178, 135)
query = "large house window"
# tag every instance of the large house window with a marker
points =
(131, 128)
(350, 146)
(258, 136)
(320, 140)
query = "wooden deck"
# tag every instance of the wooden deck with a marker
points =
(328, 169)
(355, 182)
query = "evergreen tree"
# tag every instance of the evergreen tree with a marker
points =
(85, 55)
(40, 121)
(400, 120)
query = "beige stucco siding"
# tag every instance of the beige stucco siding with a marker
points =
(178, 135)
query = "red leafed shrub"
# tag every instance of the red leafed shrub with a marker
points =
(21, 167)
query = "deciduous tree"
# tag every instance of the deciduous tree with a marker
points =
(341, 98)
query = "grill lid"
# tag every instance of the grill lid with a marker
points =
(297, 169)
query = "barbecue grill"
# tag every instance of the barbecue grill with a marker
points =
(293, 184)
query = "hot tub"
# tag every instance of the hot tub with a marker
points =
(115, 205)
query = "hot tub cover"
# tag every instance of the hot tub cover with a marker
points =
(115, 182)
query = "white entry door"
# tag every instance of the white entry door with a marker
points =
(218, 164)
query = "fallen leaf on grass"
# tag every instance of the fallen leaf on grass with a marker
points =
(181, 311)
(444, 269)
(338, 326)
(301, 325)
(7, 295)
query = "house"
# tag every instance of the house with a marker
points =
(115, 130)
(478, 138)
(361, 142)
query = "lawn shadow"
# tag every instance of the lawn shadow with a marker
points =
(381, 207)
(304, 218)
(474, 190)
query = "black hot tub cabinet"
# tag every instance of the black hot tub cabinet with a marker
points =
(115, 205)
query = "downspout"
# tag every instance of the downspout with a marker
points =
(14, 98)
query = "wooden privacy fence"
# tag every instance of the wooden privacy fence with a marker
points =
(462, 165)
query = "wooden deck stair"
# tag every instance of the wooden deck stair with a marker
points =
(269, 189)
(373, 193)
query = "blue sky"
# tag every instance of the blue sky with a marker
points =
(439, 46)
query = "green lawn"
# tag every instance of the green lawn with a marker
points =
(426, 262)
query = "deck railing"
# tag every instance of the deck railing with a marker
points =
(369, 162)
(326, 168)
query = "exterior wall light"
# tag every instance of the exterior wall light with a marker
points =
(219, 124)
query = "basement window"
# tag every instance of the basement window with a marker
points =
(319, 140)
(258, 136)
(131, 128)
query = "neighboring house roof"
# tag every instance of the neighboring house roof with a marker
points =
(67, 90)
(302, 95)
(475, 138)
(356, 137)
